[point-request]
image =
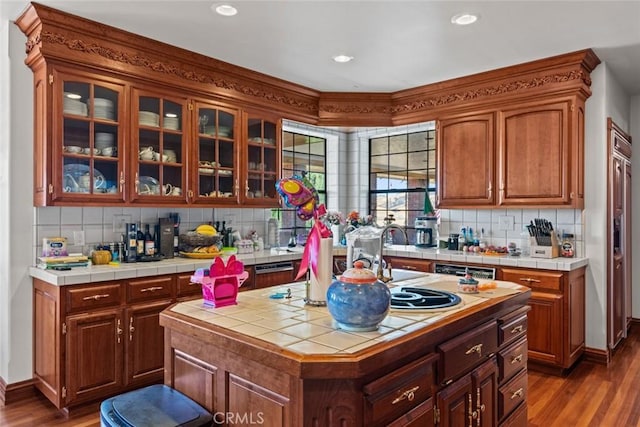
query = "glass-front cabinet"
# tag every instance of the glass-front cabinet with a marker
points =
(87, 135)
(262, 159)
(216, 154)
(159, 124)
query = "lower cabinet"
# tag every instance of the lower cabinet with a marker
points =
(93, 341)
(556, 322)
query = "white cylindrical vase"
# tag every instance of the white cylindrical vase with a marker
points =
(321, 279)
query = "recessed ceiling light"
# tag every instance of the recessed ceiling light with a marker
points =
(342, 58)
(72, 95)
(224, 9)
(171, 115)
(464, 19)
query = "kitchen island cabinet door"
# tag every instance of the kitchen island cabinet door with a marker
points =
(466, 148)
(535, 155)
(144, 347)
(94, 355)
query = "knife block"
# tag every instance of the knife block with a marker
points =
(537, 251)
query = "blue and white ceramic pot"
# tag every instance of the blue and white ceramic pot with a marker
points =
(357, 300)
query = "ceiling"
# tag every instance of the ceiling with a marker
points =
(395, 44)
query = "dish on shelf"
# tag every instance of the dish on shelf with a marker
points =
(148, 185)
(73, 106)
(200, 255)
(171, 123)
(77, 179)
(205, 171)
(148, 118)
(73, 149)
(225, 173)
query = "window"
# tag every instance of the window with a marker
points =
(302, 153)
(402, 171)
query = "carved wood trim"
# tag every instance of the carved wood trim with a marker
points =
(55, 35)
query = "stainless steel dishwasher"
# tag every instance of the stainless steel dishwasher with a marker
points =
(273, 274)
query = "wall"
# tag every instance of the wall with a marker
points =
(4, 198)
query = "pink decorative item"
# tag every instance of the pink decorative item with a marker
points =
(220, 283)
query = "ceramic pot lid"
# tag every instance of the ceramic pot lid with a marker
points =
(358, 275)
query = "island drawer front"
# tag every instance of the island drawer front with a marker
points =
(512, 394)
(394, 394)
(93, 296)
(518, 418)
(512, 359)
(513, 328)
(460, 354)
(534, 279)
(149, 289)
(185, 287)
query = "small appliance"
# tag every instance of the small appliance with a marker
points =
(166, 237)
(426, 231)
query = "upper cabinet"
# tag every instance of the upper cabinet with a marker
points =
(216, 154)
(85, 157)
(532, 156)
(158, 149)
(466, 161)
(261, 160)
(190, 129)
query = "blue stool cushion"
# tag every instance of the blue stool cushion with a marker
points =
(153, 406)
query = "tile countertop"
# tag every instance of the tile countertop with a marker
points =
(100, 273)
(292, 325)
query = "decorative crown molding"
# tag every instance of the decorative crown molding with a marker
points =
(461, 96)
(141, 61)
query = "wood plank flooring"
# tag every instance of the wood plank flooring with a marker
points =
(591, 395)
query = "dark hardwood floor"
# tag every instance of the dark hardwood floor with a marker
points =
(591, 395)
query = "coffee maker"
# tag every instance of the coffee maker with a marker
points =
(426, 231)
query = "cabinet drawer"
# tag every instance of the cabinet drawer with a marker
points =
(534, 279)
(185, 287)
(513, 328)
(93, 296)
(149, 289)
(395, 394)
(410, 264)
(512, 359)
(512, 394)
(518, 418)
(467, 350)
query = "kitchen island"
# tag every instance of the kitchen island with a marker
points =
(280, 362)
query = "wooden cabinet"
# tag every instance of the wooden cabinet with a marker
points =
(158, 153)
(261, 158)
(97, 340)
(532, 156)
(466, 145)
(413, 264)
(556, 322)
(536, 162)
(81, 159)
(216, 154)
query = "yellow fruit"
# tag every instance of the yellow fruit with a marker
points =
(206, 230)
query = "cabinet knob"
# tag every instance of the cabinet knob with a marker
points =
(516, 359)
(475, 349)
(517, 394)
(517, 329)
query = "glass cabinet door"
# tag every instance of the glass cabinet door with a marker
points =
(159, 145)
(90, 132)
(263, 161)
(216, 155)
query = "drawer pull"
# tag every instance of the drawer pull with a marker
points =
(529, 280)
(408, 267)
(131, 329)
(119, 330)
(516, 359)
(151, 289)
(475, 349)
(517, 329)
(95, 297)
(517, 393)
(408, 394)
(194, 284)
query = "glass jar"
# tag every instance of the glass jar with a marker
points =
(568, 245)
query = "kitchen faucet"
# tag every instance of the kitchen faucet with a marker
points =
(380, 275)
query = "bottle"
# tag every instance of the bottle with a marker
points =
(176, 234)
(156, 239)
(139, 242)
(149, 249)
(462, 240)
